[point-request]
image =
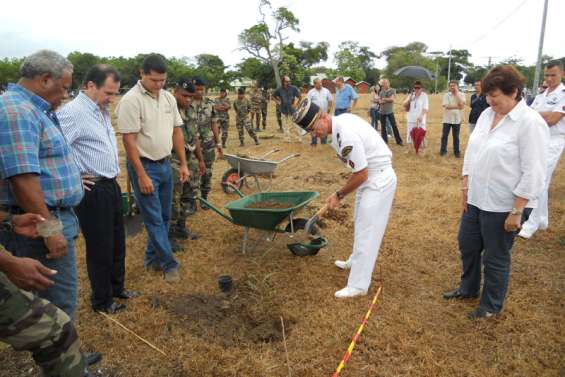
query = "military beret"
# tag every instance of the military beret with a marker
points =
(306, 114)
(186, 84)
(198, 81)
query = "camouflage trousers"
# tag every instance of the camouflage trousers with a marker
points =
(256, 118)
(184, 193)
(264, 116)
(224, 125)
(30, 323)
(279, 117)
(245, 123)
(206, 179)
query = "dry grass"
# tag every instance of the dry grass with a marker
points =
(412, 332)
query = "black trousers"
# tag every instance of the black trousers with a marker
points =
(394, 128)
(445, 135)
(101, 220)
(485, 246)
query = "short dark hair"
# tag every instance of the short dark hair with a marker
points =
(241, 91)
(98, 74)
(223, 90)
(418, 83)
(555, 63)
(506, 78)
(453, 82)
(154, 62)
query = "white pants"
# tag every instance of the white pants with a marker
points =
(409, 127)
(372, 208)
(539, 218)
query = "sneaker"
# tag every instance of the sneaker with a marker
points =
(480, 313)
(172, 276)
(525, 234)
(344, 265)
(350, 292)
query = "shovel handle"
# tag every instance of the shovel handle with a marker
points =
(322, 211)
(288, 157)
(269, 153)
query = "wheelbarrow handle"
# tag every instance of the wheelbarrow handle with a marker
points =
(234, 187)
(215, 209)
(288, 157)
(269, 153)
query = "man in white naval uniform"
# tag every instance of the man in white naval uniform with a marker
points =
(360, 147)
(551, 106)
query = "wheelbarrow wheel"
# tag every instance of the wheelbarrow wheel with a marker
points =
(232, 177)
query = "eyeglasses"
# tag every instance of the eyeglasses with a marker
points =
(417, 87)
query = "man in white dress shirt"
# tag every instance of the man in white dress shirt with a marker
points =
(551, 106)
(359, 146)
(323, 98)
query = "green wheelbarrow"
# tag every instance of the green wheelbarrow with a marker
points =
(243, 213)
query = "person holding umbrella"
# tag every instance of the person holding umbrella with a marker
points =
(374, 180)
(417, 105)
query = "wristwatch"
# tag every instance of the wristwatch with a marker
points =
(6, 224)
(339, 195)
(516, 211)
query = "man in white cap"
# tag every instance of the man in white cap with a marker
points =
(360, 147)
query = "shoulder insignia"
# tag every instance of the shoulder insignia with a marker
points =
(346, 151)
(338, 136)
(351, 164)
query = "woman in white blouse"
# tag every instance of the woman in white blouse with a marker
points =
(418, 105)
(503, 174)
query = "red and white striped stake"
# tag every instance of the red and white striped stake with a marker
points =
(349, 351)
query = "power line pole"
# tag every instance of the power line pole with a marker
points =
(540, 49)
(449, 66)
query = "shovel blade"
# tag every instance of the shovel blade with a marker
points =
(133, 224)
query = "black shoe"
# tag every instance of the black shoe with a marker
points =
(241, 144)
(457, 295)
(442, 153)
(256, 142)
(125, 294)
(175, 246)
(480, 313)
(192, 235)
(457, 155)
(91, 358)
(178, 232)
(111, 309)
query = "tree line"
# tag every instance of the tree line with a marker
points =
(271, 56)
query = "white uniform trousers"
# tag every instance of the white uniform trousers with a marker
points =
(539, 218)
(373, 203)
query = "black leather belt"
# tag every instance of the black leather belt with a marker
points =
(101, 179)
(164, 159)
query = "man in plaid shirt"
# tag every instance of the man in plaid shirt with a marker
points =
(38, 173)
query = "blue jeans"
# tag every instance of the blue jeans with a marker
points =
(63, 293)
(486, 247)
(375, 118)
(323, 140)
(155, 209)
(339, 111)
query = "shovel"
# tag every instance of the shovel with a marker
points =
(314, 219)
(132, 219)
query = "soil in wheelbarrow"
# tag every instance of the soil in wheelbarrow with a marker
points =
(269, 204)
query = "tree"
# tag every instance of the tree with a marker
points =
(258, 70)
(355, 61)
(265, 42)
(298, 60)
(210, 68)
(82, 62)
(411, 54)
(9, 71)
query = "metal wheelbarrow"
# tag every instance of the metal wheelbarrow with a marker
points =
(243, 167)
(270, 219)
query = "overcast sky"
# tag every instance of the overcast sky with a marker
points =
(495, 28)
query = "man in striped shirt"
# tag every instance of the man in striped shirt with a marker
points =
(87, 126)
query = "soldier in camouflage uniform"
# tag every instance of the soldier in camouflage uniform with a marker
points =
(28, 322)
(222, 106)
(264, 103)
(256, 98)
(202, 113)
(184, 194)
(242, 107)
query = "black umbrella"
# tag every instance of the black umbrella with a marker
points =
(414, 72)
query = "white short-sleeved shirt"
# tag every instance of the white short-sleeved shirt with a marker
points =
(322, 98)
(507, 161)
(358, 144)
(452, 116)
(151, 118)
(553, 102)
(417, 105)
